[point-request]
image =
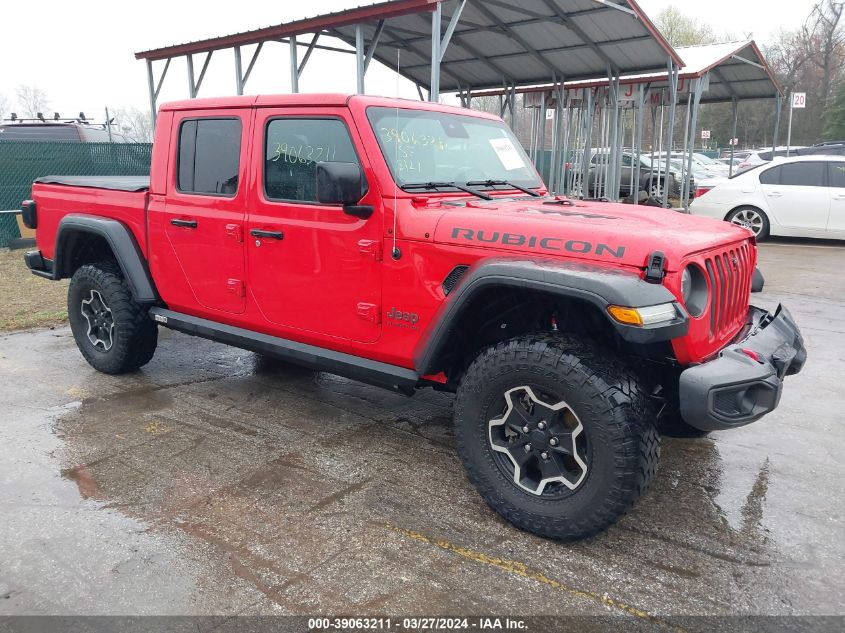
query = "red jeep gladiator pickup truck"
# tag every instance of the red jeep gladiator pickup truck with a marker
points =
(413, 245)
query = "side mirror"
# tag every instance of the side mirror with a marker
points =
(339, 183)
(342, 183)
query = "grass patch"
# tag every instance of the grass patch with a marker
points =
(27, 301)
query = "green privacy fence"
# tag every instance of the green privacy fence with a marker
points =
(21, 162)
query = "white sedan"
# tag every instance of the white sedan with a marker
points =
(802, 197)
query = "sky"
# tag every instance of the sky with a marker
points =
(84, 58)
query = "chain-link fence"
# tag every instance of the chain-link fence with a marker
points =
(21, 162)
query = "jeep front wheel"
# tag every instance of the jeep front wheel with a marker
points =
(112, 331)
(556, 436)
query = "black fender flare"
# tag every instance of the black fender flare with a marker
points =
(122, 243)
(599, 285)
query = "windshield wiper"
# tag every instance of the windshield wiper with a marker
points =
(440, 185)
(493, 183)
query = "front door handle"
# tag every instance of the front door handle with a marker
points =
(276, 235)
(775, 194)
(188, 224)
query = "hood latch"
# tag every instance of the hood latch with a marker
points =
(656, 267)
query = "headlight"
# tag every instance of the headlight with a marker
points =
(694, 290)
(686, 284)
(650, 315)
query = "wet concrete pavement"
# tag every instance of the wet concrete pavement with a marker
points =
(213, 482)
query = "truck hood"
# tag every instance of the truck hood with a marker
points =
(599, 231)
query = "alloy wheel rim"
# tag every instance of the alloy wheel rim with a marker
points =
(542, 446)
(100, 321)
(749, 219)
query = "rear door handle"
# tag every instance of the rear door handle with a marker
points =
(775, 194)
(276, 235)
(188, 224)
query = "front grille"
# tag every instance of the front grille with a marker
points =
(730, 273)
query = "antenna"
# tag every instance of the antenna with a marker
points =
(395, 252)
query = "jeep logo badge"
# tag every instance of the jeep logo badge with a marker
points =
(397, 318)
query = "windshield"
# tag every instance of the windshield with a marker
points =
(422, 147)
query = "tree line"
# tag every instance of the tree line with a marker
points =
(810, 59)
(136, 125)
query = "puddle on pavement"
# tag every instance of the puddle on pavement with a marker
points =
(247, 478)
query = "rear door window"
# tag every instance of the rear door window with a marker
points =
(836, 174)
(770, 176)
(803, 175)
(209, 156)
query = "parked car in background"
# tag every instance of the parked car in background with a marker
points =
(702, 161)
(802, 196)
(703, 181)
(68, 132)
(652, 176)
(764, 155)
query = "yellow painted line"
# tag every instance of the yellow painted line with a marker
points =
(521, 569)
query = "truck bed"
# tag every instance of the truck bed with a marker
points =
(115, 183)
(121, 198)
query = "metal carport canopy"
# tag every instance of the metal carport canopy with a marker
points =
(494, 42)
(497, 42)
(736, 70)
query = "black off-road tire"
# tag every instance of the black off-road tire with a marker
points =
(134, 336)
(622, 446)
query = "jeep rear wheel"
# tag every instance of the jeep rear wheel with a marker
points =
(556, 436)
(112, 331)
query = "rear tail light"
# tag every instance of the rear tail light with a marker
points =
(28, 214)
(700, 191)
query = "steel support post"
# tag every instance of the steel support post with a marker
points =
(587, 138)
(778, 111)
(614, 153)
(190, 59)
(735, 108)
(359, 59)
(698, 86)
(557, 130)
(239, 75)
(567, 137)
(434, 93)
(294, 66)
(670, 132)
(151, 86)
(684, 145)
(642, 91)
(541, 135)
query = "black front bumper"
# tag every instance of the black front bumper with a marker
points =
(745, 382)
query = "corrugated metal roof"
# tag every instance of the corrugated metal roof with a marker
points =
(737, 69)
(527, 42)
(496, 41)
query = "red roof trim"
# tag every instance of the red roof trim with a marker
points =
(380, 11)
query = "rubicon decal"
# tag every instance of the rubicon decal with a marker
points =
(535, 241)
